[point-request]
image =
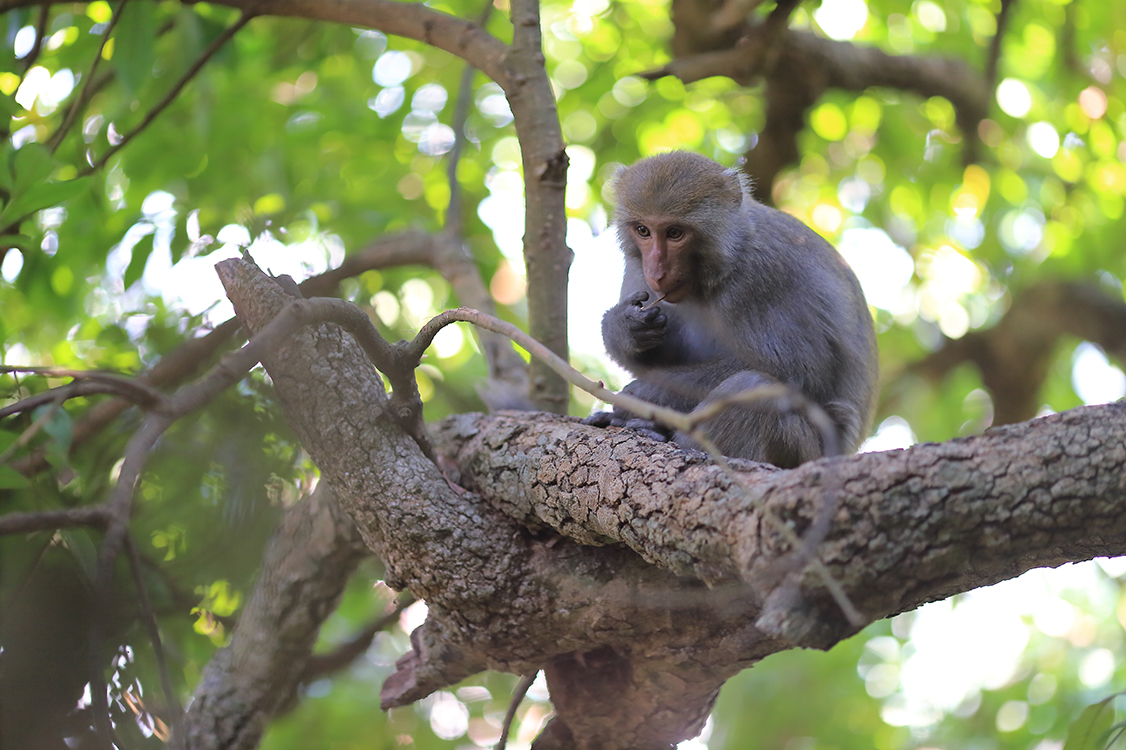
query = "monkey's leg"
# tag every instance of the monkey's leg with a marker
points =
(766, 431)
(652, 393)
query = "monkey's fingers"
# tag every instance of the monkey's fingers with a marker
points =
(654, 302)
(637, 298)
(648, 428)
(600, 419)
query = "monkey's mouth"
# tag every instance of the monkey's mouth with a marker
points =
(674, 295)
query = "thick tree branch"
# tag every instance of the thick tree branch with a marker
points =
(506, 592)
(911, 526)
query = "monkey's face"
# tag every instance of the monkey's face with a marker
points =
(665, 248)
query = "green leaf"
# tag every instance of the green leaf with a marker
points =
(1090, 729)
(22, 241)
(60, 429)
(10, 479)
(85, 552)
(30, 166)
(43, 195)
(133, 52)
(141, 252)
(9, 108)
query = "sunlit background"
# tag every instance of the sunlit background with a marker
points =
(936, 245)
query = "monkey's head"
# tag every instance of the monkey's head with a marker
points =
(680, 213)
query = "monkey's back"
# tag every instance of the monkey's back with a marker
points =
(811, 326)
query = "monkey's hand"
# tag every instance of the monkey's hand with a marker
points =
(648, 428)
(630, 329)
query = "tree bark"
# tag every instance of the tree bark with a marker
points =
(642, 576)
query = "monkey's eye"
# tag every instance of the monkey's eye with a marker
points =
(642, 230)
(675, 233)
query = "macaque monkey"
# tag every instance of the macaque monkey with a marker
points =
(722, 294)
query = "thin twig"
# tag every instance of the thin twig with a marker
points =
(517, 697)
(175, 710)
(87, 86)
(40, 32)
(319, 665)
(152, 114)
(88, 382)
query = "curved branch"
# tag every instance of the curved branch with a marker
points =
(412, 20)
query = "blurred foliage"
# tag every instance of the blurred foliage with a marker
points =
(304, 142)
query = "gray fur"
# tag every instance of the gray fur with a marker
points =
(772, 302)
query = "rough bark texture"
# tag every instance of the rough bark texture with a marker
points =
(500, 597)
(546, 255)
(634, 642)
(911, 526)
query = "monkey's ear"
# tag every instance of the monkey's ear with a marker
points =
(738, 184)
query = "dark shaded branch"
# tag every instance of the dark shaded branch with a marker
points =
(454, 221)
(40, 33)
(993, 57)
(798, 67)
(1068, 50)
(1015, 355)
(49, 520)
(148, 617)
(733, 14)
(119, 508)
